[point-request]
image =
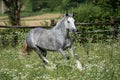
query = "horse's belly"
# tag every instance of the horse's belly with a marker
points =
(50, 44)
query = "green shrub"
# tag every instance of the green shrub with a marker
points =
(111, 6)
(90, 13)
(12, 37)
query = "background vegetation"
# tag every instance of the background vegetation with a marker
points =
(86, 10)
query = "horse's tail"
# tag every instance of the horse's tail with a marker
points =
(25, 49)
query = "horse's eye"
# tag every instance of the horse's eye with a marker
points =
(68, 21)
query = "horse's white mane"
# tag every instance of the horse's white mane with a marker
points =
(60, 21)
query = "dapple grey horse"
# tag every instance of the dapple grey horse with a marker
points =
(55, 39)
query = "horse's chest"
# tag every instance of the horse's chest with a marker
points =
(67, 43)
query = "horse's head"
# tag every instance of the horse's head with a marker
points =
(69, 23)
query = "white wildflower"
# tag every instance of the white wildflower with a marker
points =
(28, 66)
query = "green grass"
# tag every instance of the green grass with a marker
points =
(102, 63)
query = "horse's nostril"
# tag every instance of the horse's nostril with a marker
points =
(74, 30)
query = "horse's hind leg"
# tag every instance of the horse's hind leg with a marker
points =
(42, 54)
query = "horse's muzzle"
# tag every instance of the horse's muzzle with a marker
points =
(73, 30)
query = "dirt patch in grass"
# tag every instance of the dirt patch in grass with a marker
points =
(44, 16)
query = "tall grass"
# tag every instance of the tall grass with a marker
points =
(101, 63)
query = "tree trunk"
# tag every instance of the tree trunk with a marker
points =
(14, 8)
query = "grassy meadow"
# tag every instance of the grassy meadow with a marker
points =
(101, 63)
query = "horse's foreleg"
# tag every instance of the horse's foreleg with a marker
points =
(44, 53)
(79, 66)
(62, 52)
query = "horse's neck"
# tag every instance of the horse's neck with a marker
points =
(60, 26)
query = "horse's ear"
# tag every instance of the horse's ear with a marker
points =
(66, 14)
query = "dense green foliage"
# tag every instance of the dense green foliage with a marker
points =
(12, 37)
(88, 13)
(85, 10)
(51, 5)
(112, 6)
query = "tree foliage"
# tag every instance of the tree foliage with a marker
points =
(51, 4)
(113, 6)
(88, 13)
